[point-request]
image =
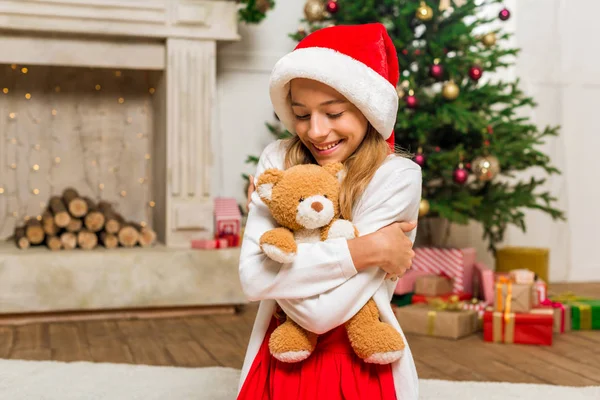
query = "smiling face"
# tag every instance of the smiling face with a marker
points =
(329, 125)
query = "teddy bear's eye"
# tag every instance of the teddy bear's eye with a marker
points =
(301, 199)
(325, 196)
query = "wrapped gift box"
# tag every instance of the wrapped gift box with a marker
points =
(483, 281)
(585, 314)
(540, 292)
(457, 264)
(499, 327)
(209, 244)
(401, 300)
(525, 276)
(228, 220)
(426, 320)
(531, 258)
(560, 312)
(406, 284)
(417, 298)
(520, 299)
(433, 285)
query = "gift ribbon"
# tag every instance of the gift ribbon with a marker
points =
(439, 304)
(502, 305)
(431, 315)
(556, 304)
(585, 315)
(568, 297)
(506, 321)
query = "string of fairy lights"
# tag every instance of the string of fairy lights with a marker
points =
(16, 121)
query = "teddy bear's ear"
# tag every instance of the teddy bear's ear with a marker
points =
(266, 181)
(336, 169)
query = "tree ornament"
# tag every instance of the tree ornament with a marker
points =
(301, 32)
(314, 10)
(423, 208)
(424, 12)
(490, 129)
(460, 174)
(332, 6)
(411, 100)
(504, 14)
(489, 39)
(420, 158)
(400, 91)
(475, 72)
(450, 90)
(436, 71)
(486, 168)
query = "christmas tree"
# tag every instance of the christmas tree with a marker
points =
(467, 133)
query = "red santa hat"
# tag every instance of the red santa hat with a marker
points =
(359, 61)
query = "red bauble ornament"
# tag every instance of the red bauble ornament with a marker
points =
(475, 72)
(460, 175)
(411, 102)
(490, 129)
(436, 71)
(405, 52)
(504, 14)
(332, 7)
(420, 159)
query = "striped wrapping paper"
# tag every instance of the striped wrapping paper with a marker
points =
(457, 264)
(228, 218)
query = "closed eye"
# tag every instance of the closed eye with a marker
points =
(303, 117)
(334, 116)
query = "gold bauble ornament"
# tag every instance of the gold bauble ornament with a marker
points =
(314, 10)
(423, 207)
(450, 90)
(485, 168)
(424, 12)
(489, 39)
(400, 91)
(263, 5)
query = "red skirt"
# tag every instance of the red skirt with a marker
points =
(332, 372)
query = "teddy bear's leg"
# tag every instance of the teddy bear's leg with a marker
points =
(292, 343)
(372, 340)
(279, 245)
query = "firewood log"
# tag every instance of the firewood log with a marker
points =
(109, 240)
(53, 242)
(75, 203)
(48, 224)
(75, 225)
(128, 235)
(112, 220)
(61, 215)
(34, 231)
(21, 239)
(147, 235)
(69, 240)
(94, 220)
(87, 240)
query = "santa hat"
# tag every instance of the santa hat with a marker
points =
(359, 61)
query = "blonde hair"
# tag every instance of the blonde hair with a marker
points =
(360, 166)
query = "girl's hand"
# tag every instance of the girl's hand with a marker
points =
(395, 248)
(251, 190)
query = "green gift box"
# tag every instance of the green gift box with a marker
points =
(402, 299)
(585, 314)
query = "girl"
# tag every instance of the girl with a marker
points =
(336, 93)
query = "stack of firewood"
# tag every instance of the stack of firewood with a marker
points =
(72, 221)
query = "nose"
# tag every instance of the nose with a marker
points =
(317, 206)
(318, 128)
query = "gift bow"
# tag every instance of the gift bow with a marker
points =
(439, 304)
(568, 297)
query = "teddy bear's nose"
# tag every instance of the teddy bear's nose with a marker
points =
(317, 206)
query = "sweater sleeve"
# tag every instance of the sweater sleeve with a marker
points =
(397, 199)
(318, 267)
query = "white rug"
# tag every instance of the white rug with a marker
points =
(47, 380)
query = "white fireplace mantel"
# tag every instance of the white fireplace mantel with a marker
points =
(175, 36)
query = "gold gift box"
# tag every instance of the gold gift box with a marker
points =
(532, 258)
(423, 319)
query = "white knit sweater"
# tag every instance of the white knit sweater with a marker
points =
(321, 289)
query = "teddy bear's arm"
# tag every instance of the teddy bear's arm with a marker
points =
(339, 228)
(279, 245)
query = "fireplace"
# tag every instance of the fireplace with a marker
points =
(113, 98)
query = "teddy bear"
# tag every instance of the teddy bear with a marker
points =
(303, 200)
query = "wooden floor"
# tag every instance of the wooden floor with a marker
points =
(574, 359)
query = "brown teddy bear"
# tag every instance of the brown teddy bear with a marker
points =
(304, 201)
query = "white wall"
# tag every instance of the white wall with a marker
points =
(558, 67)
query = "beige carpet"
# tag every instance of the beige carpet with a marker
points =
(47, 380)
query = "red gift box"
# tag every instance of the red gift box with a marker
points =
(209, 244)
(484, 279)
(499, 327)
(228, 220)
(457, 264)
(417, 298)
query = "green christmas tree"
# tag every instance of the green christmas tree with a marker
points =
(467, 133)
